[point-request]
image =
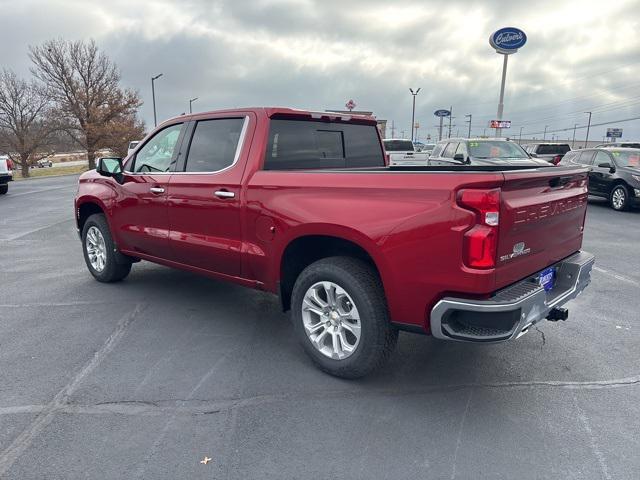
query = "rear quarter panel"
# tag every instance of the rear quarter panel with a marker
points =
(407, 222)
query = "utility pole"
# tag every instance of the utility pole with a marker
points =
(190, 102)
(413, 111)
(588, 127)
(153, 96)
(573, 142)
(470, 117)
(450, 118)
(544, 136)
(520, 139)
(401, 133)
(393, 129)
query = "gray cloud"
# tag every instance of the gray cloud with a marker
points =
(318, 54)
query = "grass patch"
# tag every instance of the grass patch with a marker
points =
(51, 172)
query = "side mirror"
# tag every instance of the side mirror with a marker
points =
(607, 165)
(533, 155)
(459, 157)
(110, 167)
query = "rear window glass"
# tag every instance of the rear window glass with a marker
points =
(398, 146)
(553, 149)
(302, 144)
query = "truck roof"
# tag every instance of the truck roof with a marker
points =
(284, 112)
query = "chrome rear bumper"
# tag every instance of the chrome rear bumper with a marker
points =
(510, 312)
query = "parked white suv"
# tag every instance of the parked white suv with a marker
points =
(6, 173)
(403, 152)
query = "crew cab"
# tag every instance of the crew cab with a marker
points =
(303, 205)
(6, 173)
(403, 152)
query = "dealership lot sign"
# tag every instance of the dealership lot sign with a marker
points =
(507, 40)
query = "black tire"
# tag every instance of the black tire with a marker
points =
(614, 203)
(116, 266)
(4, 189)
(361, 282)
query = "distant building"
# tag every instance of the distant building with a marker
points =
(382, 124)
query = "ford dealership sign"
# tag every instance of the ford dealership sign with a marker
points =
(508, 40)
(442, 113)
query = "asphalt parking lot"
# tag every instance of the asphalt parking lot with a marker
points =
(145, 378)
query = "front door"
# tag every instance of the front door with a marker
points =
(140, 218)
(601, 178)
(204, 197)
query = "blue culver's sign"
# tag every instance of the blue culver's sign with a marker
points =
(508, 40)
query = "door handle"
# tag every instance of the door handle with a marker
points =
(224, 194)
(156, 190)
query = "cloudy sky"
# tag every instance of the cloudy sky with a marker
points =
(581, 56)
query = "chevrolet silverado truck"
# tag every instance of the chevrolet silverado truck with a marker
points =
(6, 173)
(403, 152)
(303, 205)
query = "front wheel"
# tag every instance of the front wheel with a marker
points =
(341, 318)
(100, 253)
(619, 198)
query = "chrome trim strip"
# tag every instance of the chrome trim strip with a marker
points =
(573, 276)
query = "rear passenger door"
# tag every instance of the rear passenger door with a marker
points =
(204, 195)
(601, 178)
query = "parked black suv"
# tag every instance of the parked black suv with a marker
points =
(481, 151)
(551, 152)
(615, 174)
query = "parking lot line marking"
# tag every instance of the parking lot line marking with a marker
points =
(617, 276)
(35, 230)
(584, 420)
(24, 440)
(44, 190)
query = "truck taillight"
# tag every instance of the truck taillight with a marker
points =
(9, 164)
(556, 159)
(480, 243)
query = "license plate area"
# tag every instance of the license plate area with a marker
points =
(547, 278)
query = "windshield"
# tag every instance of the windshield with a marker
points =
(553, 149)
(495, 149)
(629, 158)
(398, 146)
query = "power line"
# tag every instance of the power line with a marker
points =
(585, 126)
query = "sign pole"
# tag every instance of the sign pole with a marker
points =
(440, 130)
(501, 102)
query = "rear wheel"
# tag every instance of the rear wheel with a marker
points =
(619, 199)
(4, 189)
(341, 318)
(100, 253)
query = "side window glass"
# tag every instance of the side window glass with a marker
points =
(436, 151)
(462, 148)
(602, 157)
(214, 144)
(156, 155)
(586, 158)
(450, 150)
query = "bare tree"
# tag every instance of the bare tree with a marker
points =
(122, 131)
(26, 128)
(85, 85)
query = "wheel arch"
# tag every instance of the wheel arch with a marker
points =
(311, 246)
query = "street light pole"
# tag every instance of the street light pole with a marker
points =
(470, 117)
(573, 142)
(520, 139)
(450, 118)
(413, 111)
(544, 135)
(153, 96)
(190, 102)
(588, 126)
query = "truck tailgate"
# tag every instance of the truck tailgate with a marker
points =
(541, 220)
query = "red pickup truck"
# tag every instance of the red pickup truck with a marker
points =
(303, 205)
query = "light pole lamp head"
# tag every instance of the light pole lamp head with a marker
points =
(157, 76)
